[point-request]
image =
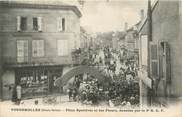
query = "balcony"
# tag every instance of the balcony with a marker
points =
(39, 61)
(78, 56)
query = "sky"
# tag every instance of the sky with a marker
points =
(110, 16)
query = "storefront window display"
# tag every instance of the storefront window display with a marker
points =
(37, 81)
(33, 82)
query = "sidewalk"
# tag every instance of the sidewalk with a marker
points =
(60, 101)
(41, 100)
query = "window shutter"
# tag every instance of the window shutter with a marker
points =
(59, 24)
(20, 46)
(38, 48)
(34, 48)
(22, 51)
(39, 23)
(144, 50)
(161, 74)
(62, 46)
(154, 61)
(41, 48)
(18, 22)
(168, 62)
(26, 51)
(65, 47)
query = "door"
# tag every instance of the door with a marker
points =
(8, 80)
(54, 74)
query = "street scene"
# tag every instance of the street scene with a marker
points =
(91, 53)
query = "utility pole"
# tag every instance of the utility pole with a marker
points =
(149, 33)
(149, 18)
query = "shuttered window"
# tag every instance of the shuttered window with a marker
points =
(38, 48)
(22, 51)
(21, 23)
(62, 47)
(154, 61)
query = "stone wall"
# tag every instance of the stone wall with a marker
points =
(49, 33)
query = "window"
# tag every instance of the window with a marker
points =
(35, 23)
(21, 23)
(22, 51)
(30, 78)
(154, 64)
(61, 24)
(38, 48)
(62, 47)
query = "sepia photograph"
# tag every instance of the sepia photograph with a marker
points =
(107, 57)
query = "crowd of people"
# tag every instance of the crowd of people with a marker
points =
(123, 90)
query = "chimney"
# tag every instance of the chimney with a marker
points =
(125, 26)
(141, 14)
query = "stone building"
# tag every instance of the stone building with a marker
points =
(37, 40)
(131, 41)
(85, 38)
(160, 53)
(118, 40)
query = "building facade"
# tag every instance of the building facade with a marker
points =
(160, 56)
(118, 40)
(37, 41)
(85, 39)
(131, 38)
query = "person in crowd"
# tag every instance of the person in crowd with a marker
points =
(116, 65)
(74, 94)
(14, 95)
(70, 91)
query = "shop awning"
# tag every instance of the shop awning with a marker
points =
(81, 70)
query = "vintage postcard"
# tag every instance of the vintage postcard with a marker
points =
(107, 58)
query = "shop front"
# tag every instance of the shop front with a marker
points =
(37, 81)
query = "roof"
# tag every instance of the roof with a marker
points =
(40, 5)
(119, 34)
(143, 22)
(133, 27)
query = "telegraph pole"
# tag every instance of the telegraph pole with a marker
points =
(149, 33)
